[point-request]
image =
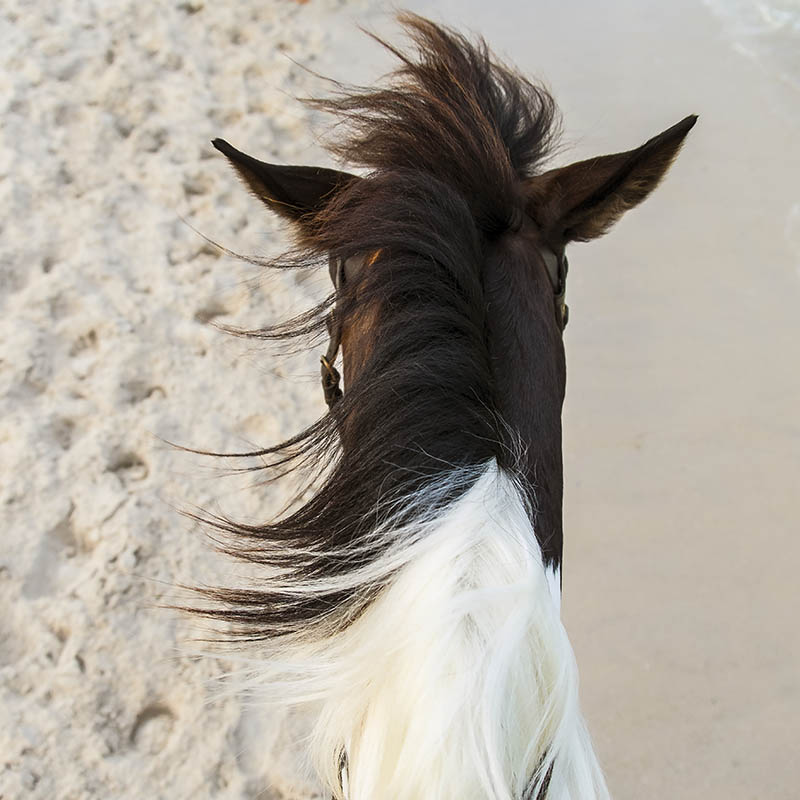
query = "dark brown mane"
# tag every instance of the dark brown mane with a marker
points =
(448, 143)
(453, 113)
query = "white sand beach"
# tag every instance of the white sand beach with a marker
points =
(682, 431)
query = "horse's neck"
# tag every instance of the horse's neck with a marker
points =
(528, 366)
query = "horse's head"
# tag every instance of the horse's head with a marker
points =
(524, 270)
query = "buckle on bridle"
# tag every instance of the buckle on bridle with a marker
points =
(330, 381)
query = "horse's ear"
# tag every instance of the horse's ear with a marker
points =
(582, 201)
(292, 192)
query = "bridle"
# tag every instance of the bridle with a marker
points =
(557, 268)
(330, 375)
(562, 309)
(336, 264)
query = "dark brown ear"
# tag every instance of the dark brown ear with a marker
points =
(291, 192)
(582, 201)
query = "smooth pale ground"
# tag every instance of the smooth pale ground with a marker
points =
(681, 431)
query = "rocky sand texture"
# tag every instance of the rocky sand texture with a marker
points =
(106, 349)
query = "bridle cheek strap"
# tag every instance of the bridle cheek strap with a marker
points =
(557, 268)
(329, 373)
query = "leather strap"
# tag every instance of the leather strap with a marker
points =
(329, 373)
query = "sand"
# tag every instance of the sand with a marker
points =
(682, 440)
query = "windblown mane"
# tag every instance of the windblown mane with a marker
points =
(454, 114)
(447, 142)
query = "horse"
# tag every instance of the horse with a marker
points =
(413, 600)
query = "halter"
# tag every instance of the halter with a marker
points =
(330, 375)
